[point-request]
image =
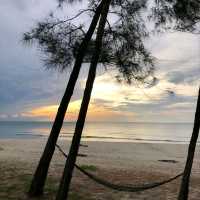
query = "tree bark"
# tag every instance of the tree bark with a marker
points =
(69, 166)
(184, 189)
(39, 178)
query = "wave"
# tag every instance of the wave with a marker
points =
(110, 138)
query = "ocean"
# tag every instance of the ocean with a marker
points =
(103, 131)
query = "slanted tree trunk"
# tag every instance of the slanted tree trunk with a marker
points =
(69, 166)
(184, 190)
(39, 178)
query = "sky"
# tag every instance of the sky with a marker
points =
(30, 92)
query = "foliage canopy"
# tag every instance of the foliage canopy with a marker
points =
(125, 33)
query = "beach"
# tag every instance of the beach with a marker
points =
(119, 162)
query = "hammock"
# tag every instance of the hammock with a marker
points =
(120, 187)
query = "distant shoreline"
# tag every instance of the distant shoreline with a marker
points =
(24, 136)
(129, 122)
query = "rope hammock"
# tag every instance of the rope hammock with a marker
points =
(120, 187)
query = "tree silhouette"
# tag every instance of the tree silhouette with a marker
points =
(184, 189)
(122, 47)
(57, 39)
(71, 159)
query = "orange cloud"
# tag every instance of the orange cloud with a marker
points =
(95, 112)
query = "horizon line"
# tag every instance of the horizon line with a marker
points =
(178, 122)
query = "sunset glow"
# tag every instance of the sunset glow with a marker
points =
(95, 112)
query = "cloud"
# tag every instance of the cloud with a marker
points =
(189, 76)
(3, 116)
(181, 105)
(96, 112)
(175, 46)
(24, 84)
(29, 92)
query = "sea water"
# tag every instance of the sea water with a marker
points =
(103, 131)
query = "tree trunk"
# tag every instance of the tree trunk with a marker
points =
(184, 190)
(69, 166)
(39, 178)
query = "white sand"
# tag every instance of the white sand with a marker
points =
(138, 158)
(104, 154)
